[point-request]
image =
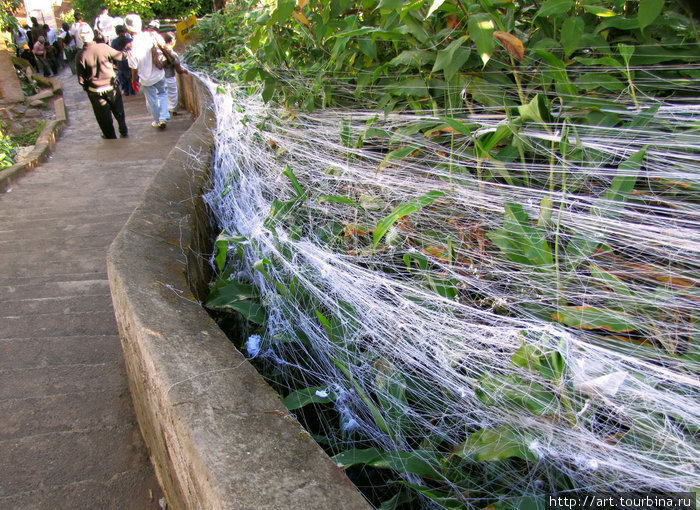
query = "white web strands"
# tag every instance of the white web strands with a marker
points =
(435, 333)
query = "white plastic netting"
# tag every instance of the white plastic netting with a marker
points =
(528, 326)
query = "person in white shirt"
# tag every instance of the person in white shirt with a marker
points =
(75, 29)
(104, 23)
(150, 77)
(19, 39)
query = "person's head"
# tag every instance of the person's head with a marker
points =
(120, 30)
(104, 9)
(78, 16)
(46, 28)
(86, 34)
(65, 26)
(34, 20)
(169, 38)
(132, 23)
(154, 25)
(42, 39)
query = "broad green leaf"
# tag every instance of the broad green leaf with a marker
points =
(519, 241)
(554, 8)
(249, 309)
(314, 394)
(648, 11)
(355, 456)
(399, 153)
(619, 22)
(591, 81)
(289, 173)
(626, 51)
(591, 317)
(609, 280)
(515, 393)
(601, 12)
(536, 110)
(494, 444)
(413, 462)
(414, 58)
(368, 47)
(457, 125)
(527, 357)
(338, 199)
(283, 11)
(480, 27)
(231, 292)
(561, 79)
(451, 59)
(392, 5)
(402, 210)
(571, 34)
(603, 61)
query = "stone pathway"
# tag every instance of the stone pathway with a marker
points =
(68, 433)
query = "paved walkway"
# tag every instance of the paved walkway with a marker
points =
(68, 434)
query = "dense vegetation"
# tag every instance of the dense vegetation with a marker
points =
(483, 155)
(161, 9)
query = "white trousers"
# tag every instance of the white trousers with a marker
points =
(172, 93)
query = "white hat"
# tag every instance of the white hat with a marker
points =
(85, 33)
(132, 22)
(154, 24)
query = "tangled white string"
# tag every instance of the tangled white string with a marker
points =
(584, 360)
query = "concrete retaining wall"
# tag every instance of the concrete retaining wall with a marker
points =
(219, 436)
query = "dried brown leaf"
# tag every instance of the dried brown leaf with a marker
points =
(512, 44)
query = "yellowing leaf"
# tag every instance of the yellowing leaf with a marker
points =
(512, 44)
(302, 3)
(299, 16)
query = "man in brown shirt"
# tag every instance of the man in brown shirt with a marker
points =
(95, 69)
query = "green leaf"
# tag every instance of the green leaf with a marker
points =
(368, 47)
(648, 11)
(537, 110)
(402, 210)
(399, 153)
(601, 12)
(416, 462)
(610, 281)
(451, 59)
(591, 81)
(312, 395)
(591, 317)
(514, 393)
(338, 199)
(231, 292)
(289, 173)
(250, 310)
(355, 456)
(494, 444)
(413, 462)
(481, 27)
(392, 5)
(458, 126)
(554, 8)
(519, 241)
(571, 34)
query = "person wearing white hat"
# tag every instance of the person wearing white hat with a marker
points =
(95, 69)
(145, 73)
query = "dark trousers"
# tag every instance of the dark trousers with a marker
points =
(105, 105)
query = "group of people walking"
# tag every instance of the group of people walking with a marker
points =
(126, 61)
(112, 58)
